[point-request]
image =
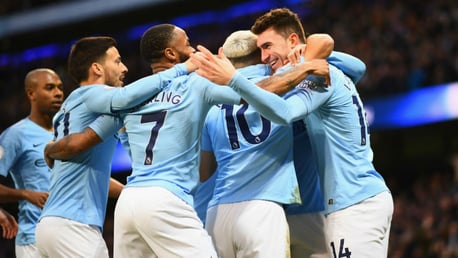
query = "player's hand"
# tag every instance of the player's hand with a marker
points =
(190, 65)
(36, 198)
(319, 67)
(8, 224)
(217, 69)
(294, 56)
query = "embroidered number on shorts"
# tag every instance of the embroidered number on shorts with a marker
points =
(346, 254)
(244, 127)
(159, 118)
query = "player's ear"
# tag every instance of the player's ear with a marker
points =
(293, 39)
(169, 53)
(96, 68)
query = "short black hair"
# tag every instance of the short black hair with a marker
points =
(86, 51)
(155, 40)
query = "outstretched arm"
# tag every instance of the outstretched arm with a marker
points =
(220, 70)
(108, 100)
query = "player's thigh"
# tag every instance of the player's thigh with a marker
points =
(60, 237)
(127, 240)
(361, 229)
(255, 228)
(308, 235)
(220, 225)
(169, 226)
(27, 251)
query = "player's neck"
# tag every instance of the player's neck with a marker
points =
(41, 119)
(159, 67)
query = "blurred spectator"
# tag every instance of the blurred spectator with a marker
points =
(406, 45)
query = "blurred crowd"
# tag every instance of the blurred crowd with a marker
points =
(406, 45)
(425, 219)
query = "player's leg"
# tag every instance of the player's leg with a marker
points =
(308, 235)
(259, 229)
(361, 230)
(27, 251)
(127, 240)
(60, 237)
(169, 226)
(220, 225)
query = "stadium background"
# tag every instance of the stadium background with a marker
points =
(410, 87)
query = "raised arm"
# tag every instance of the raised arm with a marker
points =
(108, 100)
(350, 65)
(319, 46)
(219, 70)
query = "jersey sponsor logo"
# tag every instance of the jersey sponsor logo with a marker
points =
(312, 82)
(40, 163)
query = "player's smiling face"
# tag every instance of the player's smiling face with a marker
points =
(274, 48)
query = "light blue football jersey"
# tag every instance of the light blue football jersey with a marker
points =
(338, 132)
(164, 134)
(21, 155)
(79, 187)
(254, 156)
(306, 172)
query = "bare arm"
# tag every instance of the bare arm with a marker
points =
(220, 70)
(8, 224)
(115, 188)
(207, 165)
(319, 46)
(71, 146)
(287, 80)
(8, 194)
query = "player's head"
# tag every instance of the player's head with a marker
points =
(278, 31)
(44, 89)
(165, 44)
(240, 48)
(96, 60)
